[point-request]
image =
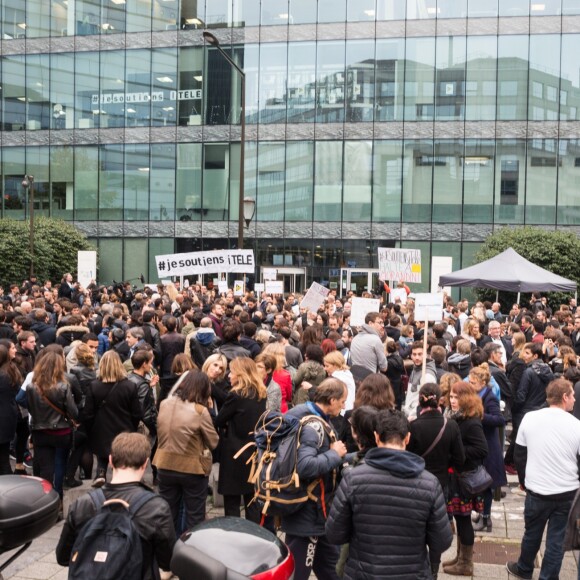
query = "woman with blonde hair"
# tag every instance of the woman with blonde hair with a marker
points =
(335, 367)
(280, 374)
(112, 406)
(445, 384)
(236, 420)
(215, 367)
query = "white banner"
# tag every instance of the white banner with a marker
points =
(205, 262)
(274, 286)
(315, 297)
(399, 265)
(429, 306)
(222, 287)
(361, 307)
(269, 273)
(86, 267)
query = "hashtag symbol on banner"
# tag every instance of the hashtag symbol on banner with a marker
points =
(161, 266)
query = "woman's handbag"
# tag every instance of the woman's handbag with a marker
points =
(475, 481)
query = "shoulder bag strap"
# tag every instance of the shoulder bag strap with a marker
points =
(102, 403)
(436, 440)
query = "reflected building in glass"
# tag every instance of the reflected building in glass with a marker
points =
(420, 124)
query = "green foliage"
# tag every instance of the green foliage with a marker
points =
(56, 244)
(556, 251)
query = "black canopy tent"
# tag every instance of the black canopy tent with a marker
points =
(510, 272)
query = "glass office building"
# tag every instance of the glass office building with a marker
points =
(415, 124)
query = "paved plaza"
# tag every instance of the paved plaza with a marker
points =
(490, 553)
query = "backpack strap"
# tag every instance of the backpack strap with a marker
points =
(100, 501)
(142, 499)
(98, 498)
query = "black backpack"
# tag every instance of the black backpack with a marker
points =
(108, 546)
(277, 486)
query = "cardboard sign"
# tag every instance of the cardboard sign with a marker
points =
(315, 297)
(269, 273)
(429, 306)
(222, 287)
(274, 286)
(361, 307)
(86, 267)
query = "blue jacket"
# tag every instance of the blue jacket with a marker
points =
(315, 461)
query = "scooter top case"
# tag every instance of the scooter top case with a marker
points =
(28, 508)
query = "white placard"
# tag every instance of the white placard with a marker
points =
(239, 288)
(399, 294)
(399, 265)
(238, 261)
(222, 287)
(315, 297)
(361, 307)
(440, 265)
(258, 288)
(274, 286)
(86, 267)
(429, 306)
(269, 273)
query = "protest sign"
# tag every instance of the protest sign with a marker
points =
(315, 297)
(360, 308)
(399, 265)
(238, 261)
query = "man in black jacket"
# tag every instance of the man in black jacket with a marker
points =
(129, 457)
(393, 498)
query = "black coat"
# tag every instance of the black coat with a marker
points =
(447, 453)
(172, 344)
(531, 392)
(390, 510)
(474, 442)
(121, 411)
(236, 421)
(8, 409)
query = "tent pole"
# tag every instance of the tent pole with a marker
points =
(518, 300)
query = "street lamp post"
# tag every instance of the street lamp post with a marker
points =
(211, 39)
(28, 184)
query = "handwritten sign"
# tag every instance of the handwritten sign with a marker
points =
(399, 265)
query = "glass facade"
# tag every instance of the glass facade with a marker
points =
(425, 123)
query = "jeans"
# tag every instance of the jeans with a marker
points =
(538, 512)
(51, 454)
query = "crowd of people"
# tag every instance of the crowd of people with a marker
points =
(415, 410)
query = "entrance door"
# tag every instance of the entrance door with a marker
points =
(358, 281)
(294, 279)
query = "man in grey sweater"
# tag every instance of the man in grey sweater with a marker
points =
(367, 349)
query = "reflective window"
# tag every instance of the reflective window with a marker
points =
(544, 74)
(451, 8)
(358, 162)
(302, 12)
(360, 80)
(328, 181)
(271, 180)
(88, 105)
(13, 94)
(512, 77)
(111, 183)
(138, 87)
(273, 89)
(418, 162)
(478, 9)
(330, 82)
(331, 10)
(569, 78)
(37, 164)
(542, 164)
(389, 90)
(246, 12)
(139, 15)
(86, 183)
(481, 78)
(164, 84)
(61, 185)
(135, 253)
(157, 247)
(13, 19)
(450, 78)
(14, 197)
(387, 180)
(301, 82)
(447, 166)
(216, 170)
(189, 102)
(361, 10)
(545, 7)
(136, 184)
(162, 182)
(62, 93)
(421, 9)
(570, 7)
(419, 79)
(568, 176)
(165, 16)
(218, 13)
(275, 12)
(390, 10)
(111, 268)
(188, 182)
(38, 18)
(514, 8)
(113, 108)
(478, 176)
(299, 180)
